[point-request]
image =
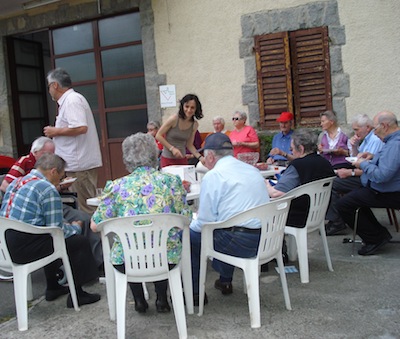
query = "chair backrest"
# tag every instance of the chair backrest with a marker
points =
(144, 241)
(319, 192)
(5, 259)
(272, 216)
(273, 222)
(10, 224)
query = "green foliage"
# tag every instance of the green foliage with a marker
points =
(265, 145)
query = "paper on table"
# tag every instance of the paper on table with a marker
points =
(351, 159)
(288, 269)
(67, 181)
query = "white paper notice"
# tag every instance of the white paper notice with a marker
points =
(167, 96)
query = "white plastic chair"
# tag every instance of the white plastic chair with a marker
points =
(146, 261)
(319, 192)
(21, 272)
(273, 217)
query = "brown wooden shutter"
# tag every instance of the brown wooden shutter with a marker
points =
(273, 77)
(311, 75)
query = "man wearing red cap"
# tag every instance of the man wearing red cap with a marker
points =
(280, 151)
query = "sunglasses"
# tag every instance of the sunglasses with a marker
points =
(235, 119)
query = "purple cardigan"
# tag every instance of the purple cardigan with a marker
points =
(342, 143)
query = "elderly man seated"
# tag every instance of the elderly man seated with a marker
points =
(364, 140)
(381, 186)
(306, 167)
(219, 127)
(280, 152)
(25, 164)
(231, 186)
(35, 200)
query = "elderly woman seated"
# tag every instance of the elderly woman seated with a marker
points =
(144, 191)
(306, 167)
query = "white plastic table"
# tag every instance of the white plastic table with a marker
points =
(193, 195)
(272, 170)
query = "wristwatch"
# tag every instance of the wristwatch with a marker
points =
(353, 172)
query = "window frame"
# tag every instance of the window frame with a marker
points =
(293, 74)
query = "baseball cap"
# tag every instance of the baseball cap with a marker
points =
(218, 141)
(285, 116)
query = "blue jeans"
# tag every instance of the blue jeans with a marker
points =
(237, 244)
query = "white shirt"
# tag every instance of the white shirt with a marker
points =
(81, 152)
(232, 186)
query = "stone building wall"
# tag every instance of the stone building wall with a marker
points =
(311, 15)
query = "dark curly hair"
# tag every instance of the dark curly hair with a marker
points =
(199, 112)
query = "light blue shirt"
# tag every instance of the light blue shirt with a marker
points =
(383, 171)
(371, 143)
(282, 142)
(231, 187)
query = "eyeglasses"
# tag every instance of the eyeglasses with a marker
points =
(236, 119)
(377, 126)
(48, 86)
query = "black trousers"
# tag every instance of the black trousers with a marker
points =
(25, 248)
(339, 188)
(71, 214)
(368, 227)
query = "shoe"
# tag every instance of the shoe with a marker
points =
(196, 299)
(162, 306)
(369, 249)
(334, 228)
(54, 294)
(141, 305)
(225, 288)
(84, 298)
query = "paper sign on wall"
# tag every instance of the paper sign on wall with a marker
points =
(167, 96)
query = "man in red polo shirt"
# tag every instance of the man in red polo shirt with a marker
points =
(26, 163)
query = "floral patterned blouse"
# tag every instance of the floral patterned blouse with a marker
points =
(144, 191)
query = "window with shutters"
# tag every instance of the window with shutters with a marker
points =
(293, 75)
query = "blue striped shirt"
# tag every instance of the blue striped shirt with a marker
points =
(38, 203)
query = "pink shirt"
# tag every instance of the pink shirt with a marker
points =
(246, 134)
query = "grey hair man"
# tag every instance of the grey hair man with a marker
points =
(75, 136)
(218, 124)
(35, 200)
(380, 186)
(224, 193)
(24, 164)
(364, 138)
(348, 179)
